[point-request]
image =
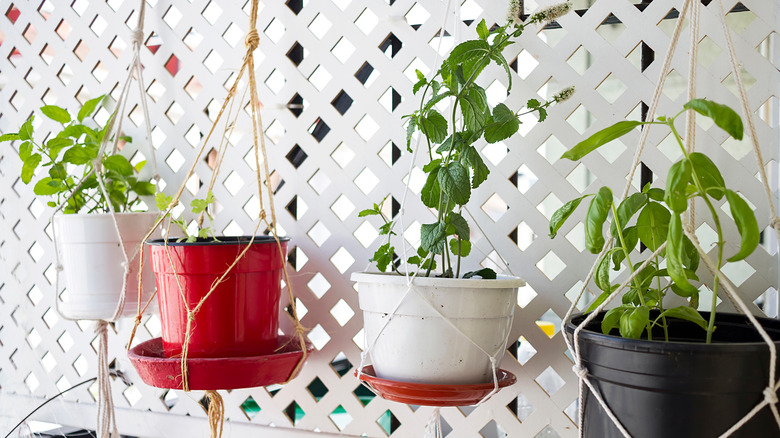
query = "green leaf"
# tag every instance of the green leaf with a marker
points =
(419, 84)
(563, 213)
(602, 271)
(56, 144)
(626, 210)
(432, 236)
(28, 169)
(454, 181)
(368, 212)
(89, 108)
(143, 188)
(473, 159)
(709, 175)
(601, 138)
(676, 183)
(432, 165)
(469, 55)
(47, 187)
(482, 30)
(459, 225)
(594, 221)
(631, 237)
(410, 128)
(686, 313)
(139, 165)
(79, 155)
(634, 321)
(383, 257)
(690, 255)
(58, 171)
(653, 225)
(674, 249)
(26, 130)
(431, 191)
(597, 302)
(119, 164)
(656, 194)
(434, 126)
(500, 60)
(474, 108)
(459, 247)
(723, 116)
(11, 136)
(56, 113)
(199, 205)
(485, 273)
(25, 150)
(505, 124)
(162, 201)
(611, 319)
(746, 223)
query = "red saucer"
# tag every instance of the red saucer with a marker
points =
(216, 373)
(426, 394)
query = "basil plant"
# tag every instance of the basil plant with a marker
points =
(455, 166)
(654, 216)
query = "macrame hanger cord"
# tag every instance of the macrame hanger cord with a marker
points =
(574, 346)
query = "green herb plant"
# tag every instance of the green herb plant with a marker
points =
(660, 220)
(197, 206)
(455, 166)
(68, 156)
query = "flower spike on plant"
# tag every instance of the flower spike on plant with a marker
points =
(455, 166)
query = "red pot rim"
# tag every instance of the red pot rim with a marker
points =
(224, 240)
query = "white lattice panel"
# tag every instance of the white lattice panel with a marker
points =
(341, 152)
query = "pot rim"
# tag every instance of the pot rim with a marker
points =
(96, 216)
(502, 281)
(224, 241)
(644, 345)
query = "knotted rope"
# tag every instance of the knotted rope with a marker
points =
(770, 398)
(106, 420)
(263, 176)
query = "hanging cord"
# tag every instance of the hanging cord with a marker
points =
(106, 425)
(216, 413)
(433, 427)
(578, 369)
(216, 416)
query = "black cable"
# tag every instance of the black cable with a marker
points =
(46, 402)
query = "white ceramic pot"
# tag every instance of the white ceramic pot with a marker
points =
(92, 263)
(418, 345)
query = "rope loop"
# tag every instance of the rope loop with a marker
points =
(775, 222)
(252, 40)
(770, 396)
(580, 371)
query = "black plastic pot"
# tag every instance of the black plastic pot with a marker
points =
(683, 388)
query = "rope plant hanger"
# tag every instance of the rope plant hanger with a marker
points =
(106, 421)
(690, 8)
(216, 407)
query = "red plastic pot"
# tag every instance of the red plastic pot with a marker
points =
(241, 317)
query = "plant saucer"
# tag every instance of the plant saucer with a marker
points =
(426, 394)
(217, 373)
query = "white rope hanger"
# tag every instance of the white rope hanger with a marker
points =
(770, 398)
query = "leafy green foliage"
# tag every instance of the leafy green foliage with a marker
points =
(659, 220)
(64, 164)
(455, 166)
(198, 206)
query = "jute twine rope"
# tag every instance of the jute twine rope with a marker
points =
(770, 397)
(252, 40)
(106, 418)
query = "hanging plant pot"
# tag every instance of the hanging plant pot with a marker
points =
(681, 388)
(418, 345)
(92, 262)
(241, 316)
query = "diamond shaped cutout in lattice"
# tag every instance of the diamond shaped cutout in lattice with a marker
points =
(319, 233)
(523, 236)
(611, 28)
(340, 417)
(250, 408)
(366, 181)
(35, 295)
(550, 381)
(549, 205)
(611, 88)
(549, 323)
(523, 351)
(366, 234)
(342, 312)
(738, 272)
(294, 413)
(551, 149)
(580, 60)
(547, 432)
(169, 399)
(342, 207)
(586, 298)
(580, 177)
(524, 179)
(320, 26)
(340, 364)
(317, 389)
(319, 181)
(495, 207)
(342, 260)
(367, 21)
(388, 422)
(275, 30)
(318, 285)
(318, 336)
(50, 318)
(581, 119)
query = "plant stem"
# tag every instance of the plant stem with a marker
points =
(719, 229)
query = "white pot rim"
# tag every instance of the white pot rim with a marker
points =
(101, 216)
(502, 281)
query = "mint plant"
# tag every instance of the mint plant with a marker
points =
(68, 156)
(197, 206)
(455, 166)
(659, 220)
